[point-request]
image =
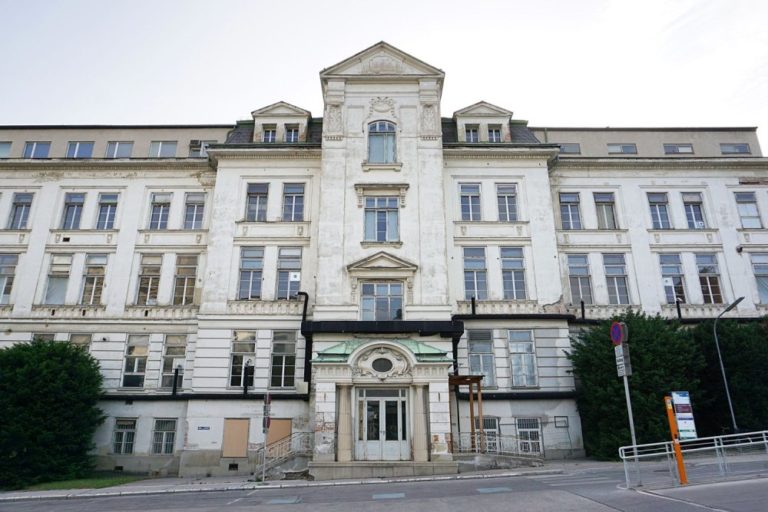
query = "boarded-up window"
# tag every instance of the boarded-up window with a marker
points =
(235, 438)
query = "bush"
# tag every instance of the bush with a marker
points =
(48, 397)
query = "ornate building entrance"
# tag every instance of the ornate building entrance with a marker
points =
(382, 424)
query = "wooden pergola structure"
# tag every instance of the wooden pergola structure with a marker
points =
(472, 381)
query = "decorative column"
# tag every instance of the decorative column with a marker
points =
(344, 422)
(420, 451)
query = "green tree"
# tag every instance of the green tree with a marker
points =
(48, 397)
(663, 360)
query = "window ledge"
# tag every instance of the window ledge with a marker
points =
(460, 222)
(370, 243)
(394, 166)
(148, 231)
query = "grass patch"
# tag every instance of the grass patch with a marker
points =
(97, 481)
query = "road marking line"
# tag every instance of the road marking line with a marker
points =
(391, 496)
(660, 496)
(288, 500)
(489, 490)
(234, 501)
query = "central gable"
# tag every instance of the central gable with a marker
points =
(381, 59)
(382, 264)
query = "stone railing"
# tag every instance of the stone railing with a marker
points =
(161, 312)
(265, 307)
(67, 311)
(506, 307)
(601, 311)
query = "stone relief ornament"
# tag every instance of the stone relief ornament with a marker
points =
(384, 65)
(382, 105)
(381, 363)
(428, 117)
(334, 118)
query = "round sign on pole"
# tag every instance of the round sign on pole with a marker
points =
(618, 333)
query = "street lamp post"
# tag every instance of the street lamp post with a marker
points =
(720, 358)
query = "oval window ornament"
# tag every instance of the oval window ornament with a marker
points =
(382, 365)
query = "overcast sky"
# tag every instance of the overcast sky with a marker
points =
(554, 63)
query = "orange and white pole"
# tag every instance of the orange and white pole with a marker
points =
(676, 441)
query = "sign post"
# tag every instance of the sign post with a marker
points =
(676, 441)
(619, 334)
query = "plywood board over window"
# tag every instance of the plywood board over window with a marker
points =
(279, 429)
(235, 438)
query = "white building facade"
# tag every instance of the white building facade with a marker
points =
(348, 266)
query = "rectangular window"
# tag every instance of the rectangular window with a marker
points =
(746, 204)
(36, 149)
(193, 210)
(58, 278)
(382, 301)
(513, 273)
(149, 279)
(657, 201)
(243, 356)
(256, 210)
(522, 353)
(163, 436)
(199, 148)
(569, 210)
(269, 134)
(293, 202)
(709, 278)
(5, 149)
(616, 278)
(93, 279)
(162, 149)
(622, 149)
(759, 267)
(694, 211)
(382, 140)
(123, 436)
(288, 272)
(605, 207)
(472, 133)
(107, 211)
(475, 274)
(160, 209)
(283, 368)
(186, 273)
(470, 201)
(735, 149)
(8, 264)
(22, 204)
(76, 149)
(678, 149)
(570, 148)
(136, 361)
(506, 197)
(529, 435)
(481, 359)
(291, 133)
(578, 278)
(381, 219)
(672, 277)
(251, 266)
(80, 340)
(73, 210)
(119, 149)
(494, 133)
(174, 358)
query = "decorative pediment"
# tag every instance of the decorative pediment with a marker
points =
(382, 265)
(281, 109)
(483, 109)
(381, 59)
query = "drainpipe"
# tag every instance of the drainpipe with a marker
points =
(308, 337)
(679, 312)
(583, 311)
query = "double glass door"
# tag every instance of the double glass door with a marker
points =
(382, 424)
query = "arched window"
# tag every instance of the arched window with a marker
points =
(381, 142)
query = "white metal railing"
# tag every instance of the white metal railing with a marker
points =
(705, 458)
(492, 443)
(298, 443)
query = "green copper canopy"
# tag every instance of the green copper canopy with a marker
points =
(340, 352)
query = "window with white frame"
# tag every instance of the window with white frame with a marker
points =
(36, 149)
(529, 435)
(475, 274)
(490, 430)
(93, 279)
(293, 202)
(472, 133)
(616, 278)
(119, 149)
(256, 207)
(159, 210)
(5, 149)
(659, 207)
(107, 211)
(506, 198)
(269, 133)
(8, 264)
(251, 267)
(381, 142)
(163, 436)
(760, 269)
(746, 203)
(381, 219)
(135, 360)
(22, 204)
(469, 196)
(123, 436)
(243, 356)
(672, 277)
(513, 272)
(73, 210)
(578, 278)
(173, 359)
(186, 274)
(149, 279)
(162, 149)
(494, 133)
(382, 301)
(58, 278)
(283, 367)
(79, 149)
(194, 208)
(678, 149)
(569, 210)
(288, 272)
(622, 149)
(732, 148)
(694, 210)
(522, 353)
(291, 133)
(481, 357)
(709, 278)
(80, 340)
(605, 207)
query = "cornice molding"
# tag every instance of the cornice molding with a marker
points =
(755, 163)
(510, 153)
(262, 153)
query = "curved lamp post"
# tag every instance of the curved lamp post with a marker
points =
(720, 358)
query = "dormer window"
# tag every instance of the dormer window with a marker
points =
(472, 133)
(494, 133)
(291, 133)
(269, 135)
(381, 142)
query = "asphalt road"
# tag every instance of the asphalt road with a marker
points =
(583, 491)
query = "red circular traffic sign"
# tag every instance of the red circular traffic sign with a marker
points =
(618, 333)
